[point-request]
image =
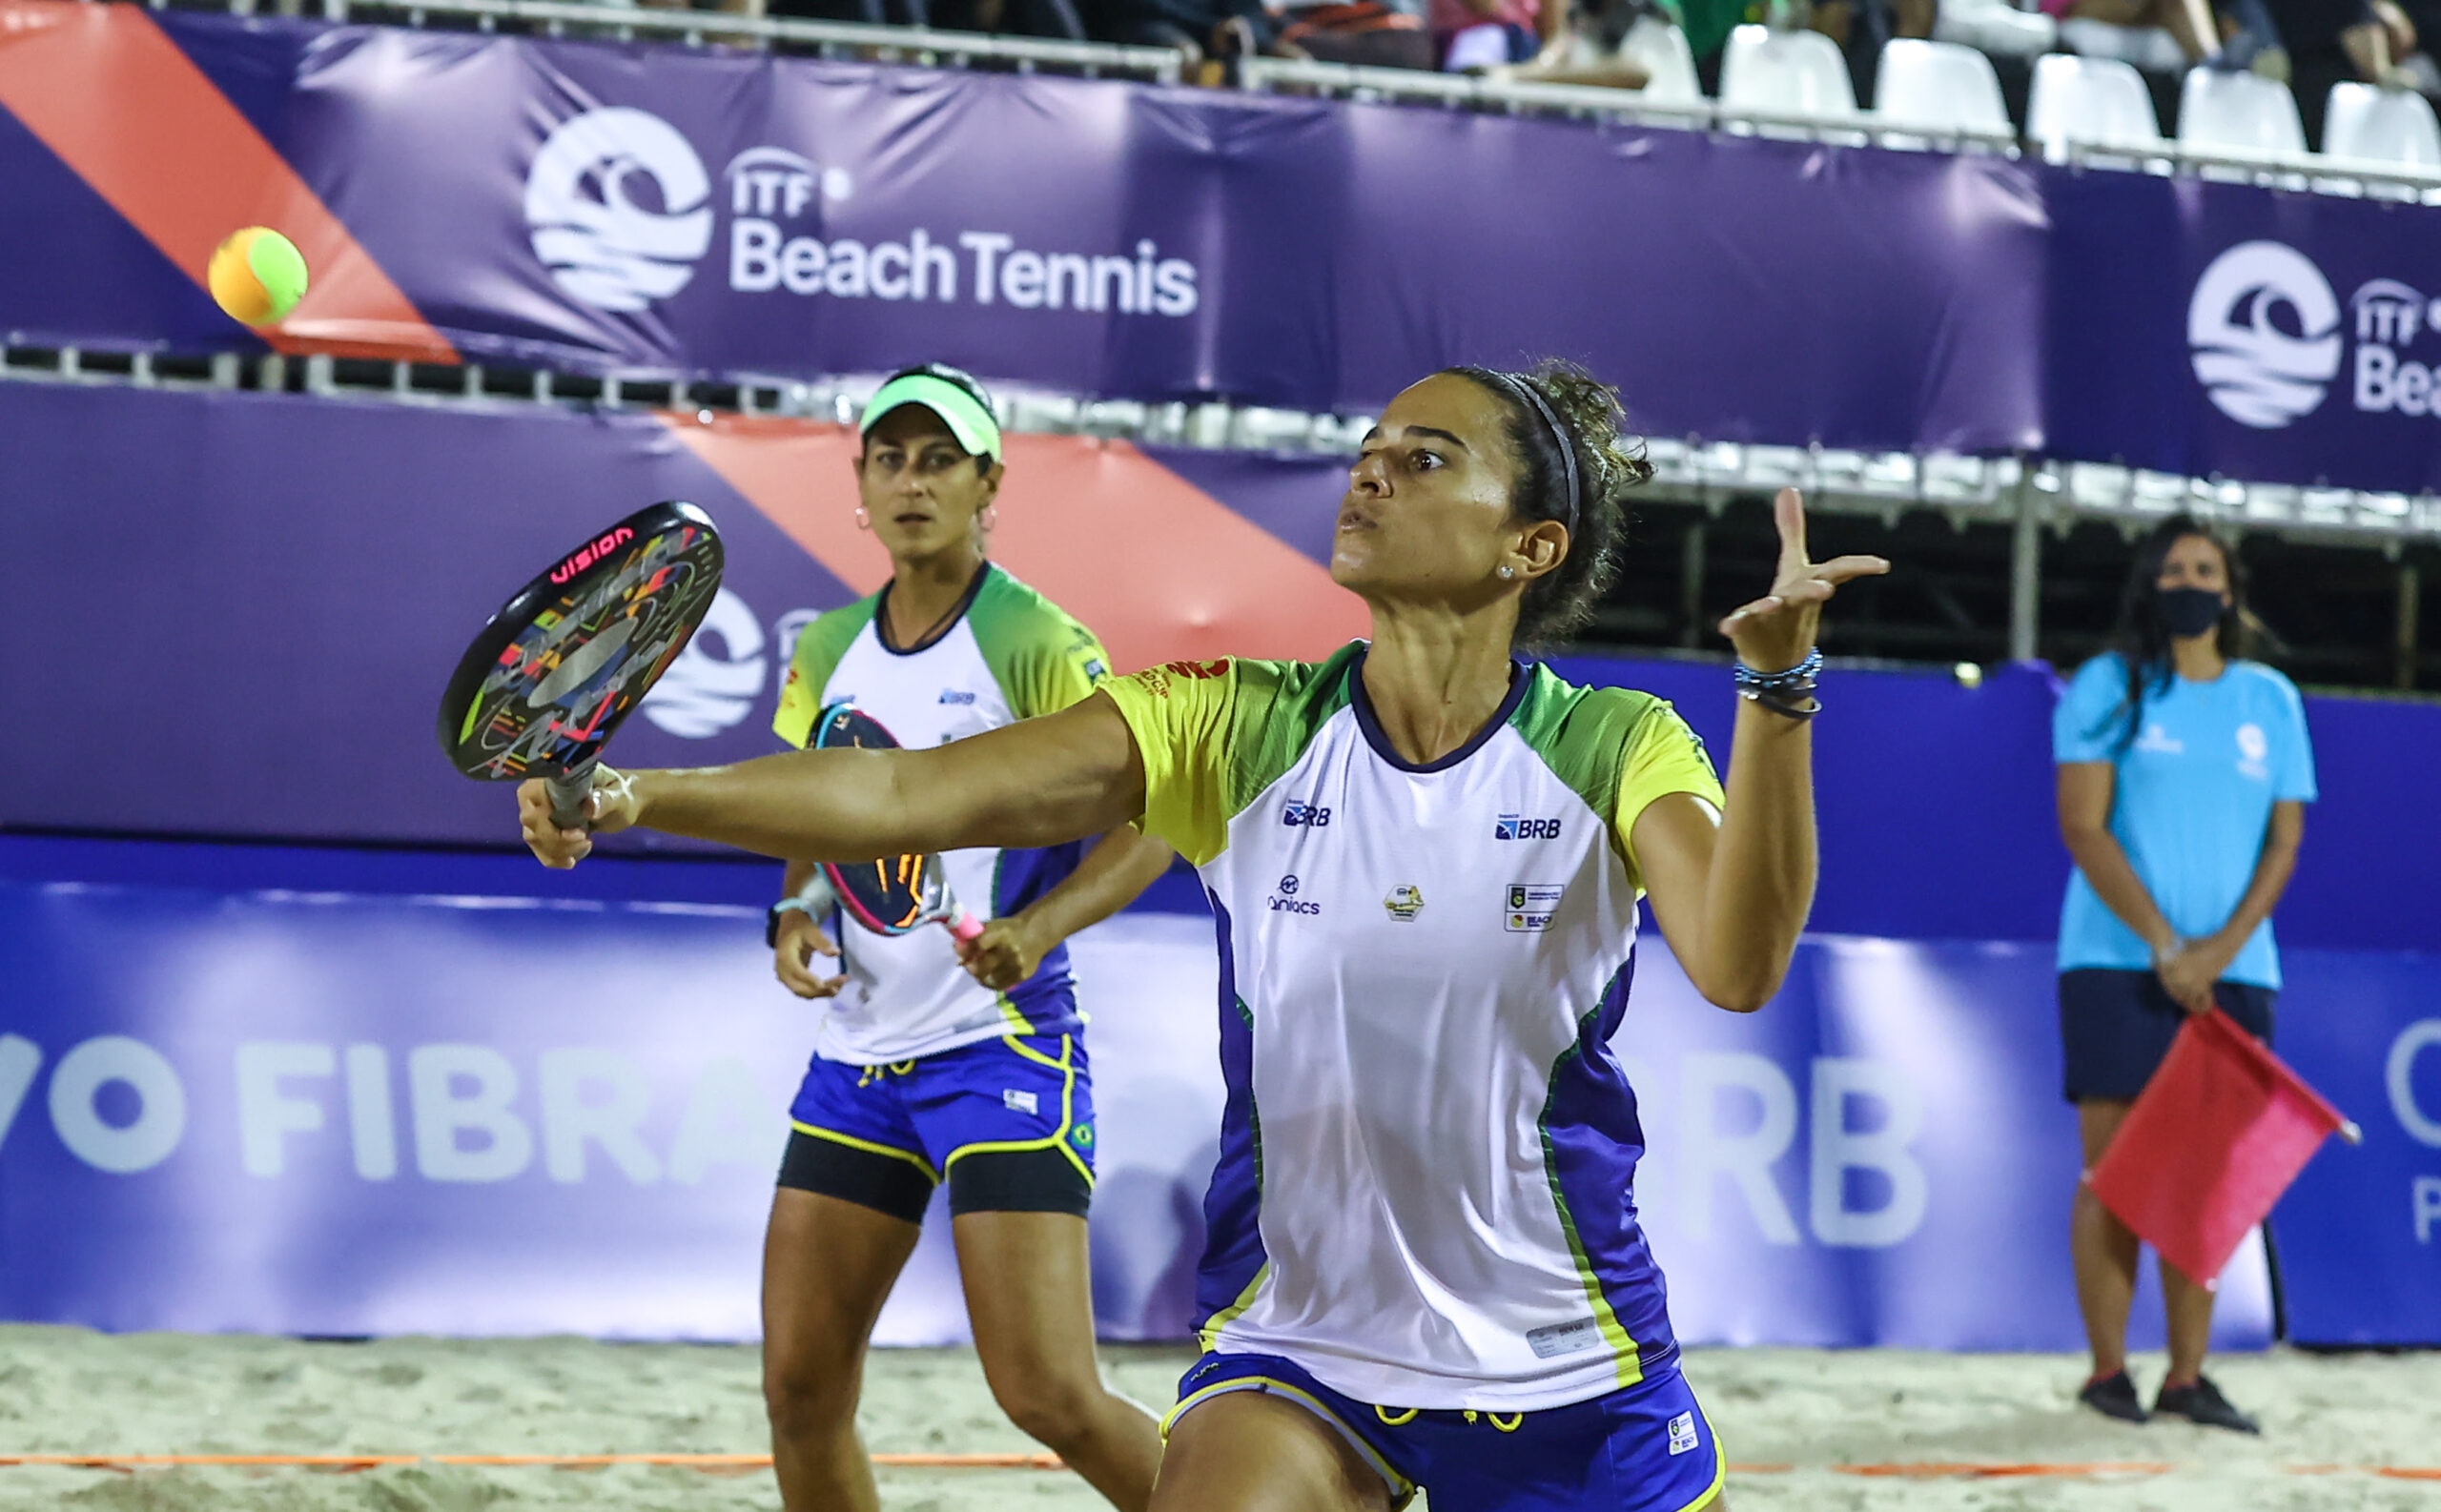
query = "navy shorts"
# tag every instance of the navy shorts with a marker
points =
(2116, 1026)
(1642, 1448)
(1008, 1122)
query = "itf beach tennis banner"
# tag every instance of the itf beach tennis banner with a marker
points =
(607, 207)
(333, 1113)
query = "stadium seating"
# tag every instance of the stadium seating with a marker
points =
(2383, 126)
(1938, 85)
(2243, 112)
(1663, 50)
(2090, 102)
(1786, 72)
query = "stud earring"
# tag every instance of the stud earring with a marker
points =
(1508, 572)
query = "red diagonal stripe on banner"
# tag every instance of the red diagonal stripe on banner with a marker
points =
(106, 90)
(1160, 569)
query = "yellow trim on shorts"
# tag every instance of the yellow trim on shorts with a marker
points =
(1401, 1489)
(854, 1143)
(1057, 1140)
(1720, 1464)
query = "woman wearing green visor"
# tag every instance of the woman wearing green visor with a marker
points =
(937, 1062)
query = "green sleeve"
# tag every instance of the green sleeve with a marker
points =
(819, 648)
(1044, 660)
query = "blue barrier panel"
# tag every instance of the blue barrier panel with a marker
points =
(360, 1112)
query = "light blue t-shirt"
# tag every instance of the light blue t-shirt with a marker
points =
(2191, 805)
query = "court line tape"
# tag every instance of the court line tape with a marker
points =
(746, 1463)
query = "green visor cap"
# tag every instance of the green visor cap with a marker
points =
(968, 417)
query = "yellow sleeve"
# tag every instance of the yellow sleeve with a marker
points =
(1663, 756)
(1179, 716)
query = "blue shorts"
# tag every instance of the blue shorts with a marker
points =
(1642, 1448)
(2116, 1028)
(1008, 1122)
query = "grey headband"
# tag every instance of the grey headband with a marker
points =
(1567, 457)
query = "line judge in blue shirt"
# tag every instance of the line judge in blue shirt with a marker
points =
(2184, 776)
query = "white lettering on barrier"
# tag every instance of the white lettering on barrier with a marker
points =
(1745, 1158)
(161, 1105)
(2398, 1075)
(729, 1122)
(372, 1127)
(569, 1121)
(1838, 1149)
(441, 1113)
(266, 1115)
(20, 1059)
(2426, 1203)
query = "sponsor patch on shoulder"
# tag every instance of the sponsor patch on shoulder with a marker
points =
(1553, 1339)
(1682, 1433)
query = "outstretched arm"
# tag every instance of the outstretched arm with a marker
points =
(1731, 898)
(1040, 781)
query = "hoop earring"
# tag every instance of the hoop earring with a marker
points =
(989, 518)
(864, 519)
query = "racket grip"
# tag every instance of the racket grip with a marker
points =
(569, 792)
(964, 927)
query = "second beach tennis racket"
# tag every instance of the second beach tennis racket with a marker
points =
(896, 894)
(574, 651)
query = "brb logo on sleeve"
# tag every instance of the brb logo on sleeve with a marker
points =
(589, 201)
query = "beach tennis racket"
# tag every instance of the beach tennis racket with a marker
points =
(575, 651)
(896, 894)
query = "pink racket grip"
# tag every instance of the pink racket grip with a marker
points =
(964, 927)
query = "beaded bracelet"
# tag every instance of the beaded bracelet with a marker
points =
(1788, 693)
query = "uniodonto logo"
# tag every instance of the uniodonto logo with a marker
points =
(603, 245)
(2264, 325)
(703, 694)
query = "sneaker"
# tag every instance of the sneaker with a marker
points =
(2201, 1402)
(2113, 1396)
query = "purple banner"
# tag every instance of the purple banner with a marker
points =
(634, 207)
(2279, 337)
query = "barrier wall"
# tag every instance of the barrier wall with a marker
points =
(467, 1112)
(599, 206)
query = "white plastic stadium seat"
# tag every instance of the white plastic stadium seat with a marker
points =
(2096, 102)
(1663, 50)
(1938, 85)
(2387, 126)
(2242, 111)
(1785, 73)
(1995, 25)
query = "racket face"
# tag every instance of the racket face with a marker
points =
(896, 894)
(569, 656)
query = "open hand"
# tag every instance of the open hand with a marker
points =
(1775, 632)
(799, 941)
(1004, 954)
(611, 808)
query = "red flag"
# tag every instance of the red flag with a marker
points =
(2212, 1142)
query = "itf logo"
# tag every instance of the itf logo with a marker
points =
(703, 694)
(2264, 325)
(608, 239)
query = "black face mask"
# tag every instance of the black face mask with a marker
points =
(2189, 611)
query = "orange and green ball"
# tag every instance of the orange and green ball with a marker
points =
(257, 275)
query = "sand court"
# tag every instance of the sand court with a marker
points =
(1809, 1429)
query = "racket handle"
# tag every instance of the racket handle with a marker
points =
(964, 927)
(569, 792)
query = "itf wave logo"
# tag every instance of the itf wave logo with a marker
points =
(605, 239)
(2263, 324)
(703, 694)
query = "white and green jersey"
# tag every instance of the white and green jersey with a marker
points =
(1009, 654)
(1424, 1191)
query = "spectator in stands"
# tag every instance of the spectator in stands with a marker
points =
(1200, 28)
(1590, 50)
(2330, 41)
(1492, 33)
(2184, 776)
(2189, 21)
